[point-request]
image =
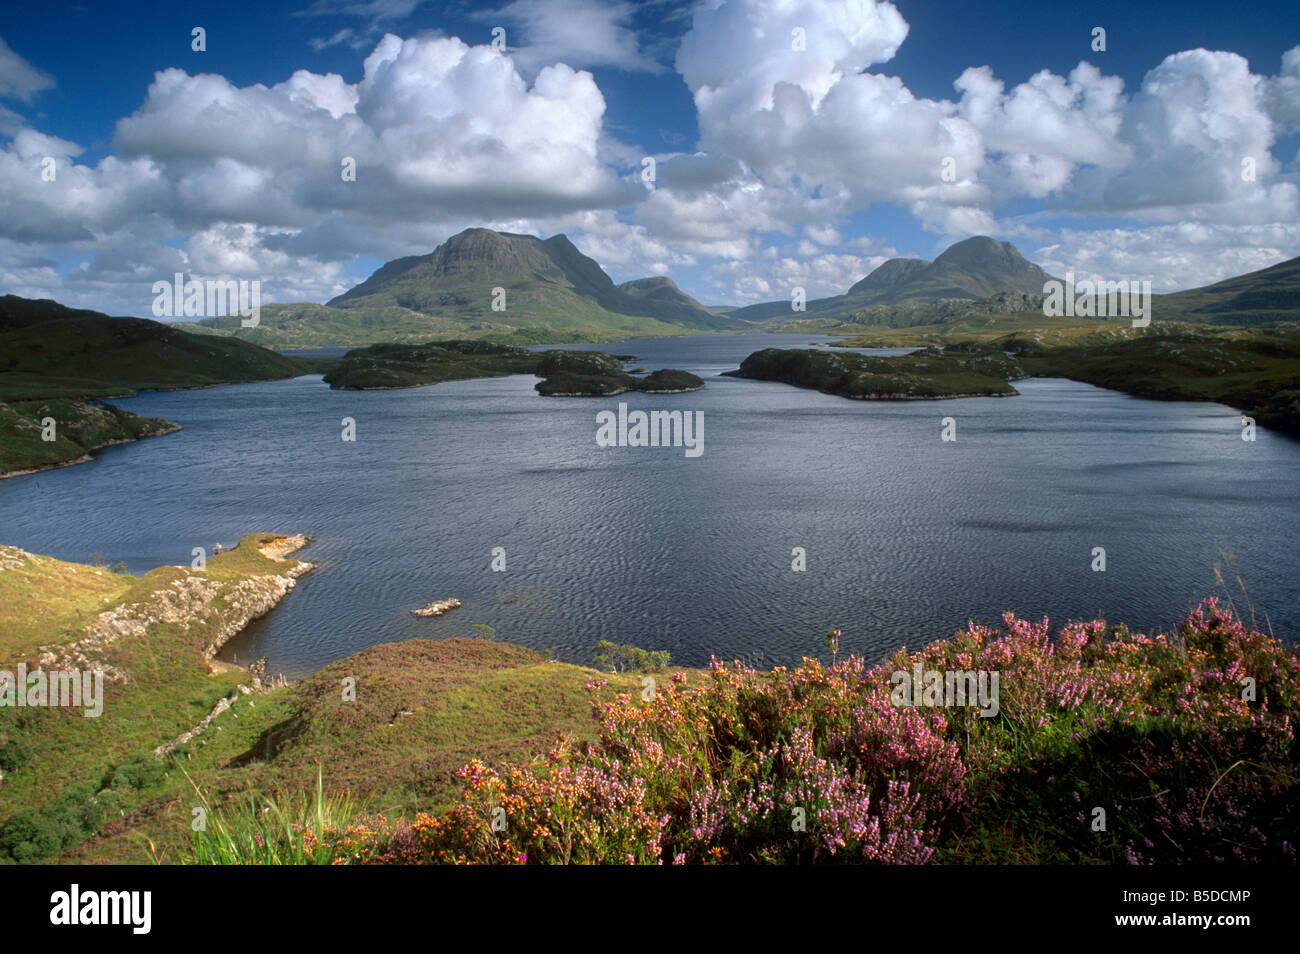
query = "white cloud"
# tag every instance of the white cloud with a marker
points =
(1172, 257)
(581, 33)
(18, 78)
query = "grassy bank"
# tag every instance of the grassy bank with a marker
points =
(93, 789)
(1105, 747)
(67, 776)
(407, 751)
(76, 427)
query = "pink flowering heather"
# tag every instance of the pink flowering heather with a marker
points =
(818, 765)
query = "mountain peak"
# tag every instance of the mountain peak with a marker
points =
(980, 249)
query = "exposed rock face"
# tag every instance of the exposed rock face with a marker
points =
(194, 601)
(12, 558)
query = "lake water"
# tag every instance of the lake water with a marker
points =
(906, 536)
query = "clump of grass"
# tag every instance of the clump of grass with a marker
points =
(285, 829)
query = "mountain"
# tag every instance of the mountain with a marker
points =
(977, 268)
(889, 277)
(552, 293)
(547, 282)
(48, 350)
(1269, 294)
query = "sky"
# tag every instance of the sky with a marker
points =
(793, 143)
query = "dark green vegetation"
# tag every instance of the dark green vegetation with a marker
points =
(552, 293)
(52, 356)
(975, 269)
(79, 427)
(924, 374)
(1268, 295)
(409, 366)
(621, 657)
(593, 374)
(567, 373)
(1253, 369)
(47, 350)
(1257, 373)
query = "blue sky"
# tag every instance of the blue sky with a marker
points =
(776, 167)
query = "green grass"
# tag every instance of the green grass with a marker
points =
(50, 354)
(72, 759)
(287, 829)
(1255, 369)
(90, 790)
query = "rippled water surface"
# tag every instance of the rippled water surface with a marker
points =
(906, 536)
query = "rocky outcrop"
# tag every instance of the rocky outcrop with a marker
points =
(437, 608)
(195, 601)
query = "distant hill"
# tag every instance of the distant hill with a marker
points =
(662, 294)
(1269, 294)
(552, 293)
(48, 350)
(547, 282)
(977, 268)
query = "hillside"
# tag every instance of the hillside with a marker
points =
(1267, 295)
(88, 787)
(978, 268)
(552, 293)
(547, 282)
(53, 357)
(48, 350)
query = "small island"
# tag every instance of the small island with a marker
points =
(595, 374)
(928, 374)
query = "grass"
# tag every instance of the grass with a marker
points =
(288, 829)
(44, 600)
(90, 790)
(1255, 369)
(72, 760)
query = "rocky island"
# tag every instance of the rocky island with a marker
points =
(595, 374)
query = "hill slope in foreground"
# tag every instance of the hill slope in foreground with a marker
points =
(813, 764)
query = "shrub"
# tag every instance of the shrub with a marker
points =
(615, 657)
(15, 753)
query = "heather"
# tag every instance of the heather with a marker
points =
(1185, 741)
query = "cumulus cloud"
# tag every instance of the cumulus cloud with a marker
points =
(1172, 257)
(799, 133)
